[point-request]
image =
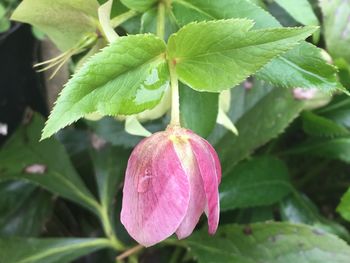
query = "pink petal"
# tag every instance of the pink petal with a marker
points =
(156, 191)
(197, 195)
(216, 160)
(208, 170)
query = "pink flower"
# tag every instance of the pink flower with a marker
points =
(171, 179)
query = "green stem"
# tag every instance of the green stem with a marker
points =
(161, 20)
(175, 98)
(108, 229)
(118, 20)
(176, 255)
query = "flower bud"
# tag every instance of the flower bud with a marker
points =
(172, 177)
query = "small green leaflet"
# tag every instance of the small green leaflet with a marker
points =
(217, 55)
(66, 22)
(268, 243)
(48, 250)
(139, 5)
(127, 77)
(303, 66)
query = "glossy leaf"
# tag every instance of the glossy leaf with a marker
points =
(268, 242)
(198, 110)
(59, 250)
(127, 77)
(337, 27)
(44, 163)
(302, 66)
(320, 126)
(217, 55)
(260, 119)
(24, 209)
(66, 22)
(139, 5)
(257, 182)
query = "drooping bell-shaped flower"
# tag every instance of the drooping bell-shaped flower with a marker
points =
(172, 177)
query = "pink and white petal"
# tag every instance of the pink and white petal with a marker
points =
(207, 168)
(197, 198)
(216, 159)
(156, 193)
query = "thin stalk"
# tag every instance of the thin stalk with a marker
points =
(175, 98)
(129, 252)
(118, 20)
(176, 255)
(161, 20)
(108, 229)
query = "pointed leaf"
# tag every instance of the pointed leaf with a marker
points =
(43, 163)
(50, 250)
(225, 52)
(302, 66)
(127, 77)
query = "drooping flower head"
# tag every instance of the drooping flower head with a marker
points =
(172, 177)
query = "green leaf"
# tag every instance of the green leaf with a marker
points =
(139, 5)
(225, 52)
(336, 27)
(127, 77)
(43, 163)
(50, 250)
(300, 10)
(24, 209)
(198, 110)
(320, 126)
(4, 25)
(109, 165)
(260, 119)
(268, 242)
(297, 208)
(149, 22)
(257, 182)
(344, 207)
(66, 22)
(338, 148)
(302, 66)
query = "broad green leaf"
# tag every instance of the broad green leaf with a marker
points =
(268, 243)
(257, 182)
(4, 25)
(297, 208)
(302, 66)
(316, 125)
(24, 209)
(48, 250)
(149, 22)
(338, 148)
(338, 111)
(337, 27)
(260, 119)
(127, 77)
(66, 22)
(217, 55)
(198, 110)
(344, 207)
(44, 163)
(139, 5)
(300, 10)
